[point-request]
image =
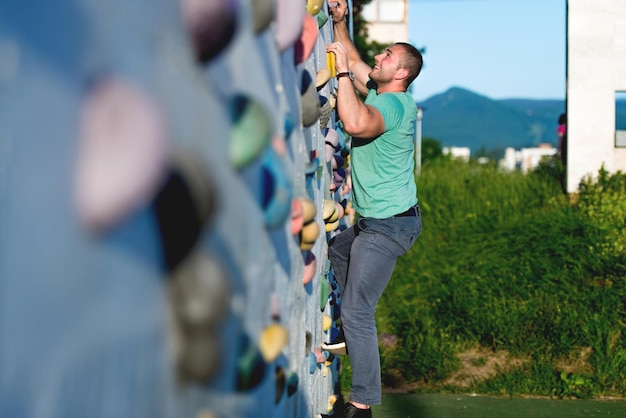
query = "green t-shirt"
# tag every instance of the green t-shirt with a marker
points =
(382, 168)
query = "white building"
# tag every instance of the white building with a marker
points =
(388, 20)
(460, 153)
(596, 74)
(526, 159)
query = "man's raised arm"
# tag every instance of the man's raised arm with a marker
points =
(340, 29)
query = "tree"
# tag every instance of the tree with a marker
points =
(494, 154)
(367, 49)
(431, 149)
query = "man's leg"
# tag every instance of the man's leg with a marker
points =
(373, 257)
(363, 258)
(370, 270)
(339, 254)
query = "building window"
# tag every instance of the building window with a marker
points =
(620, 119)
(369, 11)
(385, 11)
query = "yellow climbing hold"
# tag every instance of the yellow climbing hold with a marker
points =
(328, 209)
(308, 235)
(308, 210)
(331, 402)
(314, 6)
(273, 339)
(331, 226)
(327, 322)
(331, 63)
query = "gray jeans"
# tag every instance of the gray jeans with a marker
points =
(363, 258)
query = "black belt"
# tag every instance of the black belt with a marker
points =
(412, 211)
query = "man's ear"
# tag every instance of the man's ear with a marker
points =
(402, 73)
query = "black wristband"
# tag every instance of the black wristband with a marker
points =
(345, 74)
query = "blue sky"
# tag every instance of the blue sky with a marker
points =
(497, 48)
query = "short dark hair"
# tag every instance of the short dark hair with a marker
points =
(412, 61)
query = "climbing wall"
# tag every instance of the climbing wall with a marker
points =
(170, 176)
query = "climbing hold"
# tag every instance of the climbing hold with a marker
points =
(325, 112)
(289, 125)
(123, 154)
(339, 175)
(333, 95)
(312, 363)
(310, 267)
(308, 38)
(275, 306)
(211, 25)
(199, 358)
(250, 366)
(308, 342)
(310, 230)
(251, 132)
(308, 209)
(313, 7)
(331, 140)
(340, 210)
(272, 341)
(332, 399)
(280, 381)
(324, 292)
(320, 357)
(309, 99)
(308, 235)
(328, 209)
(313, 166)
(279, 146)
(327, 323)
(321, 78)
(262, 14)
(199, 295)
(331, 63)
(183, 206)
(332, 298)
(297, 216)
(332, 226)
(337, 162)
(199, 292)
(289, 21)
(276, 190)
(322, 18)
(292, 383)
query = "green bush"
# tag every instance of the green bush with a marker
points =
(506, 262)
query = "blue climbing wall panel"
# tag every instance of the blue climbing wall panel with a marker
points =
(155, 157)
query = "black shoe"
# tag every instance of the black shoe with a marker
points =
(338, 346)
(350, 411)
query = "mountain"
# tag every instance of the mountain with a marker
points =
(462, 118)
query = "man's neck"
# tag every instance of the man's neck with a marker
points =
(390, 89)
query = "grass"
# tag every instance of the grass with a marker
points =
(464, 406)
(508, 264)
